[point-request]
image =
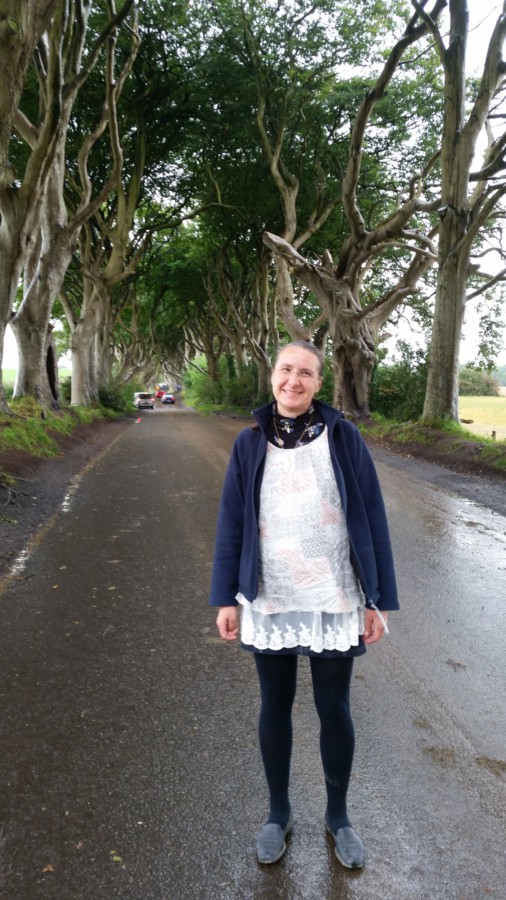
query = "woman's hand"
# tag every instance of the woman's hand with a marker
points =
(373, 626)
(227, 622)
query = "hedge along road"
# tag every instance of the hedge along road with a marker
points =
(128, 752)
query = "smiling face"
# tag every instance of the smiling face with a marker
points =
(295, 380)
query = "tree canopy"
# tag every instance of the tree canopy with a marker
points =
(158, 159)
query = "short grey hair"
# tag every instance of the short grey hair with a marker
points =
(306, 345)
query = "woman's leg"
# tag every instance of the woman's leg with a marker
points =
(278, 682)
(331, 689)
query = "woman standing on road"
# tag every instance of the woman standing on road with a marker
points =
(302, 547)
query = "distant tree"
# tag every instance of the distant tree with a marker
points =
(474, 382)
(398, 389)
(491, 330)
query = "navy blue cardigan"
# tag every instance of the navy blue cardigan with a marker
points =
(236, 554)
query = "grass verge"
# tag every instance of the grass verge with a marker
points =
(446, 443)
(25, 431)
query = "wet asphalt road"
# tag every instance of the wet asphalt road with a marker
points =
(128, 756)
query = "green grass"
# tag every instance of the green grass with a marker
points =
(493, 454)
(26, 430)
(402, 432)
(28, 435)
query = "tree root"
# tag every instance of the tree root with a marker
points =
(13, 495)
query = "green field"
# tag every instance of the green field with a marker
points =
(488, 414)
(8, 377)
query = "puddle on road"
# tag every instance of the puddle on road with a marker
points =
(19, 564)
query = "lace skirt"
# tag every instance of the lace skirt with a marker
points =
(302, 633)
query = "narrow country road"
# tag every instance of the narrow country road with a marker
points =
(128, 754)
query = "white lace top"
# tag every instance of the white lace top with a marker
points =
(308, 593)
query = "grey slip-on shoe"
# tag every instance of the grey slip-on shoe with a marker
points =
(271, 842)
(348, 846)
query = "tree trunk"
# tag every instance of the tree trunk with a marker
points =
(353, 362)
(103, 352)
(213, 371)
(84, 389)
(351, 330)
(441, 399)
(285, 301)
(352, 381)
(238, 349)
(32, 375)
(23, 24)
(45, 269)
(3, 403)
(264, 380)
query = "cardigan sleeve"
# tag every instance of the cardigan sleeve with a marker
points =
(368, 494)
(229, 536)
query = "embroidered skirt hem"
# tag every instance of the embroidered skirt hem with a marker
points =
(303, 633)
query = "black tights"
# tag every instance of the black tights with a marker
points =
(331, 689)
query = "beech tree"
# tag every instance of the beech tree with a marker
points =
(111, 338)
(470, 194)
(418, 227)
(400, 234)
(47, 230)
(110, 249)
(21, 28)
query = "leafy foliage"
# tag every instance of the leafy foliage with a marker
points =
(475, 383)
(398, 390)
(116, 397)
(231, 390)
